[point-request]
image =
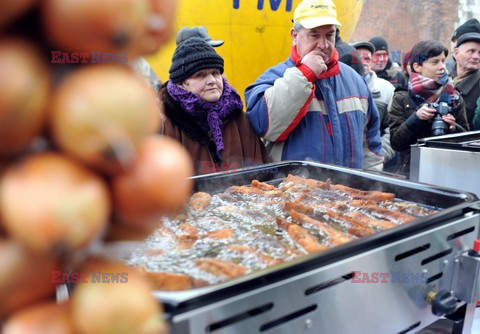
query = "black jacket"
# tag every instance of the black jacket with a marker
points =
(469, 89)
(406, 127)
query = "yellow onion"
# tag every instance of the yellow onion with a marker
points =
(100, 114)
(115, 300)
(49, 202)
(160, 25)
(24, 91)
(25, 276)
(42, 318)
(96, 26)
(158, 182)
(12, 9)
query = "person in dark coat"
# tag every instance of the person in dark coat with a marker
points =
(411, 114)
(347, 54)
(205, 114)
(466, 74)
(382, 93)
(471, 25)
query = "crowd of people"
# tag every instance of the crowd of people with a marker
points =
(345, 104)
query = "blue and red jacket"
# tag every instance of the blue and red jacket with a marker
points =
(303, 117)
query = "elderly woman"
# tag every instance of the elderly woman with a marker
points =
(204, 113)
(412, 115)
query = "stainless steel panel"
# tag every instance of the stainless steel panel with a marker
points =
(455, 169)
(469, 281)
(347, 307)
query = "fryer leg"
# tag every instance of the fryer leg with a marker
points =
(464, 323)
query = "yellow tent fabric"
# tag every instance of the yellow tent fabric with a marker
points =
(256, 33)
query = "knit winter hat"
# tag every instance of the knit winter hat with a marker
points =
(379, 43)
(471, 25)
(191, 56)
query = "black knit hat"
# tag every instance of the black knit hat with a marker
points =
(471, 25)
(379, 43)
(191, 56)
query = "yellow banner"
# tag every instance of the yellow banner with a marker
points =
(256, 33)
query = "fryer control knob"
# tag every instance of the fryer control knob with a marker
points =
(475, 252)
(442, 302)
(476, 246)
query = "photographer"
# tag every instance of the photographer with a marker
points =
(430, 106)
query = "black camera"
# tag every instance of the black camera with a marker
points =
(439, 127)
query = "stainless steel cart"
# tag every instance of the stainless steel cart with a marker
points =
(451, 161)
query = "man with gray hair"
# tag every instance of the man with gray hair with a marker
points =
(471, 25)
(312, 107)
(466, 74)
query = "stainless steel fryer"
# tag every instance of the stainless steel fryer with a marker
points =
(430, 270)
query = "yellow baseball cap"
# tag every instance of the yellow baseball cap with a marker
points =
(316, 13)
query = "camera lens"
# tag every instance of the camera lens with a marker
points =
(439, 127)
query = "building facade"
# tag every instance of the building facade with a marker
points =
(404, 22)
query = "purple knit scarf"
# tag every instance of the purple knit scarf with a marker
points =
(213, 112)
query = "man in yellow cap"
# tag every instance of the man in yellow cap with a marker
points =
(312, 107)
